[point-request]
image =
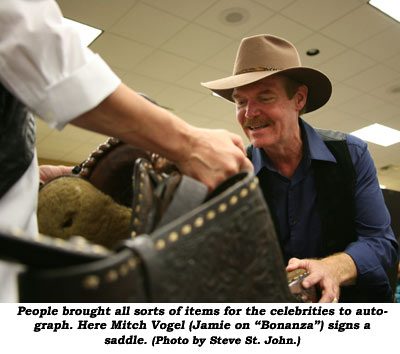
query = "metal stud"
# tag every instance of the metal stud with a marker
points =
(253, 186)
(173, 236)
(244, 192)
(186, 229)
(222, 207)
(91, 282)
(123, 270)
(160, 244)
(199, 222)
(210, 214)
(132, 262)
(233, 200)
(112, 275)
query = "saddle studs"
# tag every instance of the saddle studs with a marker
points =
(210, 215)
(91, 282)
(132, 262)
(160, 245)
(244, 192)
(233, 200)
(253, 186)
(123, 270)
(199, 222)
(173, 236)
(186, 229)
(222, 207)
(111, 275)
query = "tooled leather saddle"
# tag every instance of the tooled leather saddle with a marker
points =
(129, 227)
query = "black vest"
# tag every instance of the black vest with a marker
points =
(335, 185)
(17, 139)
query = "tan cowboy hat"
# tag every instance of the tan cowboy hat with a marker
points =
(265, 55)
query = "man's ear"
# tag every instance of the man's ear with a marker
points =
(300, 97)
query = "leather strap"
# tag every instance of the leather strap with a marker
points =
(188, 195)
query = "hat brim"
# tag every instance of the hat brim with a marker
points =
(319, 85)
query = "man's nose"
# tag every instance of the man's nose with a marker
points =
(252, 110)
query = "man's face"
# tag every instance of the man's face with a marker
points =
(268, 117)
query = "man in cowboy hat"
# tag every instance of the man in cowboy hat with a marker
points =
(321, 186)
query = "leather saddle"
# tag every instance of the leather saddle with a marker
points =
(128, 227)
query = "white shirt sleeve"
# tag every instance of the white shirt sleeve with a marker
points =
(44, 64)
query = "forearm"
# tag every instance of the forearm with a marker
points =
(132, 119)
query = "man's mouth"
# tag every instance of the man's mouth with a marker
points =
(256, 124)
(256, 127)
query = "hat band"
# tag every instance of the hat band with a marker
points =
(257, 68)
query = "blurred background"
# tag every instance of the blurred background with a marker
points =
(165, 48)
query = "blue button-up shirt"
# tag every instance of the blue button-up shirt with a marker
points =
(295, 202)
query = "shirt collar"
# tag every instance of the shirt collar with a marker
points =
(315, 149)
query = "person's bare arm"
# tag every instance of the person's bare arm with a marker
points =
(328, 273)
(204, 154)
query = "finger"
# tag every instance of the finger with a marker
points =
(246, 165)
(294, 263)
(238, 141)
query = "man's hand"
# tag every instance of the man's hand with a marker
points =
(328, 273)
(213, 156)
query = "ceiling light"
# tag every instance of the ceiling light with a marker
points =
(86, 33)
(378, 134)
(389, 7)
